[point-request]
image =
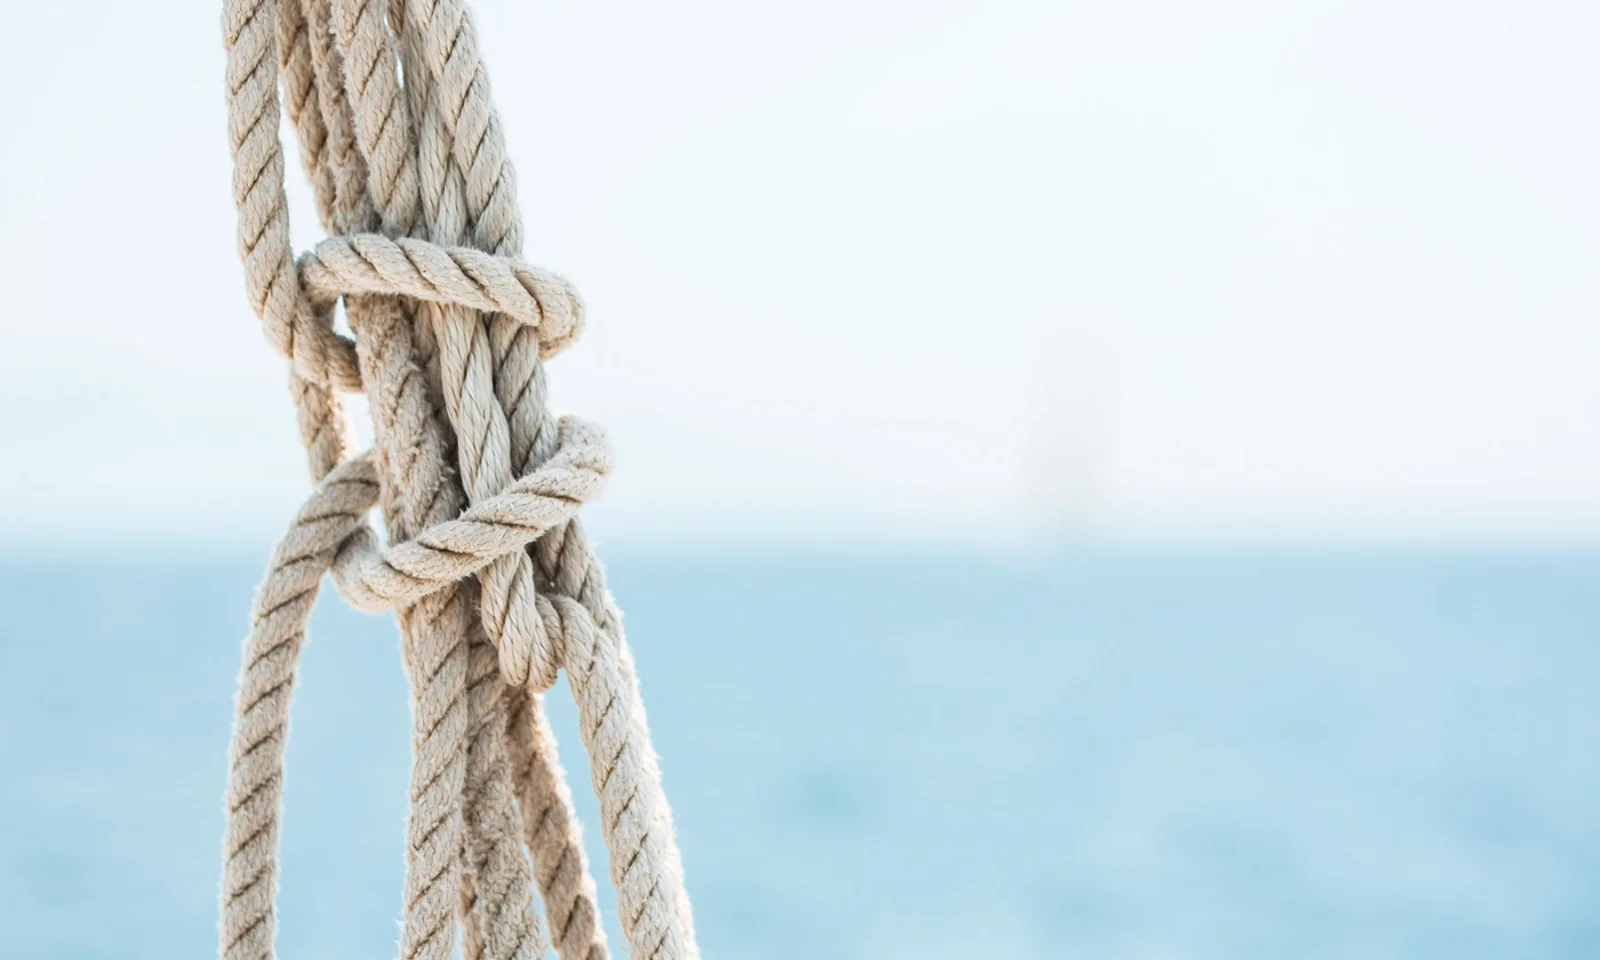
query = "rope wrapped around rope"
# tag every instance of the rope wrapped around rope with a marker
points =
(379, 581)
(404, 266)
(487, 568)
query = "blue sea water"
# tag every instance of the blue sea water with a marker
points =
(1109, 754)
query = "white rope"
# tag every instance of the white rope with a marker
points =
(407, 162)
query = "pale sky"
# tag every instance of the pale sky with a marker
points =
(875, 270)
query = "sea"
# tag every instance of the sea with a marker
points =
(1096, 752)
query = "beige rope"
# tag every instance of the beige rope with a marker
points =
(551, 828)
(449, 333)
(496, 888)
(374, 263)
(459, 122)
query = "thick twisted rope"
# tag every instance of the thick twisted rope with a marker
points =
(464, 158)
(433, 631)
(548, 819)
(255, 787)
(374, 263)
(478, 740)
(495, 892)
(413, 449)
(551, 828)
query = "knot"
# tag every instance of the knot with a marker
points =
(377, 580)
(371, 263)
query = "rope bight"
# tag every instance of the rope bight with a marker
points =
(487, 568)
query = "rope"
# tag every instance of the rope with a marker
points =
(487, 568)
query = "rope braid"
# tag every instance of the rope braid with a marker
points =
(476, 479)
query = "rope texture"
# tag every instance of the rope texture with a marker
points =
(487, 568)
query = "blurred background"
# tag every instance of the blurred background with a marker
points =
(1145, 458)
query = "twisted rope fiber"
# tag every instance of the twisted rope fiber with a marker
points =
(432, 632)
(546, 804)
(436, 653)
(495, 889)
(459, 123)
(449, 331)
(374, 263)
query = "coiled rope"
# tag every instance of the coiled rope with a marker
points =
(487, 569)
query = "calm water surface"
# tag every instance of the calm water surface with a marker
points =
(1108, 755)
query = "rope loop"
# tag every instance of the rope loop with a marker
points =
(371, 263)
(376, 580)
(379, 581)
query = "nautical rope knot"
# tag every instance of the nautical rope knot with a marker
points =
(491, 577)
(504, 525)
(463, 276)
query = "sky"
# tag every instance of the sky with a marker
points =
(879, 272)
